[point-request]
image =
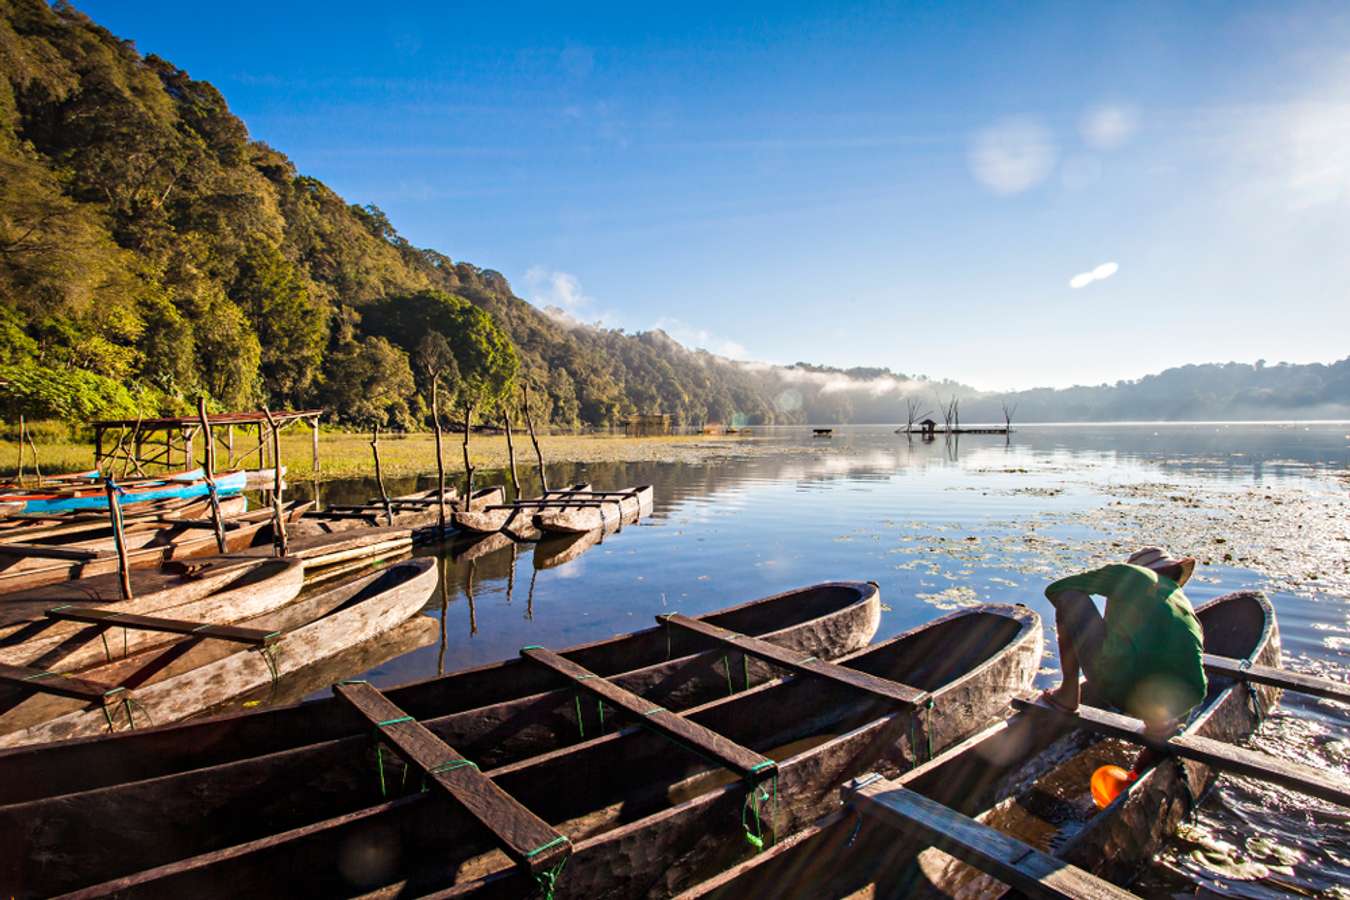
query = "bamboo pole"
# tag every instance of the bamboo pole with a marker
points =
(18, 476)
(445, 607)
(37, 466)
(278, 521)
(314, 433)
(534, 439)
(440, 454)
(379, 475)
(510, 450)
(468, 467)
(210, 469)
(119, 540)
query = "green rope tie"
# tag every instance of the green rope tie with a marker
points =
(762, 765)
(103, 633)
(269, 657)
(600, 708)
(581, 723)
(727, 663)
(745, 669)
(531, 647)
(354, 681)
(548, 879)
(654, 710)
(928, 727)
(753, 802)
(61, 607)
(379, 768)
(39, 675)
(452, 765)
(531, 854)
(809, 659)
(394, 721)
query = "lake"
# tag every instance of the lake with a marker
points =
(943, 525)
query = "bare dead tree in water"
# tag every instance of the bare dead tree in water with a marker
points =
(1008, 413)
(912, 413)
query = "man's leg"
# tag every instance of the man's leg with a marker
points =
(1079, 629)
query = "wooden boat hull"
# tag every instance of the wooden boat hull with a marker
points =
(517, 521)
(1020, 769)
(194, 674)
(318, 523)
(22, 572)
(597, 513)
(75, 526)
(71, 647)
(826, 620)
(64, 499)
(643, 816)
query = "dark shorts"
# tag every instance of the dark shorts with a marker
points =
(1077, 618)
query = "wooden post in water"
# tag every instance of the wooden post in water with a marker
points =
(210, 470)
(37, 466)
(534, 439)
(18, 476)
(510, 449)
(314, 432)
(379, 475)
(119, 540)
(440, 454)
(278, 520)
(468, 467)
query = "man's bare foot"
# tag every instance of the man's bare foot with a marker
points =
(1060, 699)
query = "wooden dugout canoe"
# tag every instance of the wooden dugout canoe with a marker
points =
(827, 620)
(514, 518)
(643, 816)
(66, 497)
(30, 565)
(417, 510)
(26, 528)
(190, 674)
(1029, 776)
(69, 647)
(596, 509)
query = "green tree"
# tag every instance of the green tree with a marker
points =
(289, 325)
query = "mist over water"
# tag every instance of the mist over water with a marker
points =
(939, 526)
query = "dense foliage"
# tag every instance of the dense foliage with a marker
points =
(150, 251)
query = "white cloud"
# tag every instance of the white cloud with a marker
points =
(560, 296)
(701, 338)
(1101, 273)
(1012, 155)
(1107, 127)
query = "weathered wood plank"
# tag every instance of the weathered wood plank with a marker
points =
(43, 551)
(530, 841)
(704, 741)
(1238, 670)
(1217, 754)
(257, 637)
(52, 683)
(787, 659)
(1017, 864)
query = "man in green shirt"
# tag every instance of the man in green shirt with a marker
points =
(1145, 656)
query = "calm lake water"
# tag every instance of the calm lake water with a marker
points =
(939, 526)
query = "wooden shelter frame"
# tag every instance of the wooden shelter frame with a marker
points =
(170, 442)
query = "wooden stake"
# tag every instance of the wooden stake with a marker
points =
(379, 475)
(37, 466)
(210, 470)
(278, 521)
(440, 454)
(529, 423)
(119, 540)
(18, 477)
(468, 467)
(315, 446)
(510, 451)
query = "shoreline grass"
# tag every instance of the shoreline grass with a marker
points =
(348, 455)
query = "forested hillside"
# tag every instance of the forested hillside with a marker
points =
(150, 251)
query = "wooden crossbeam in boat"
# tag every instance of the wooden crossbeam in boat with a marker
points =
(1240, 670)
(52, 683)
(559, 503)
(1019, 865)
(530, 841)
(1216, 754)
(744, 762)
(43, 551)
(257, 637)
(793, 662)
(624, 494)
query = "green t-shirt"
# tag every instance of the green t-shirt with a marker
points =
(1150, 663)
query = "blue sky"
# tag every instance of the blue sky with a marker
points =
(904, 185)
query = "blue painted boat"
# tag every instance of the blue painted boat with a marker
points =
(181, 485)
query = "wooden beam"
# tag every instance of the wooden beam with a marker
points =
(1019, 865)
(744, 762)
(1239, 670)
(256, 637)
(43, 551)
(790, 660)
(52, 683)
(530, 841)
(1216, 754)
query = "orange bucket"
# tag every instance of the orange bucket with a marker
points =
(1108, 782)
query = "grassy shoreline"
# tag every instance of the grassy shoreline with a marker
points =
(348, 455)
